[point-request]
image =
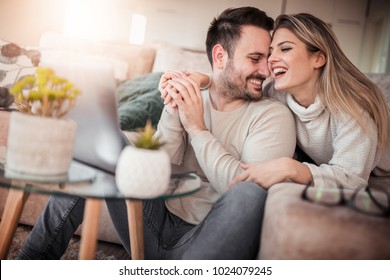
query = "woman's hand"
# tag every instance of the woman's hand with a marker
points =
(271, 172)
(201, 79)
(163, 84)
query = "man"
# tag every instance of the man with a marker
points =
(211, 132)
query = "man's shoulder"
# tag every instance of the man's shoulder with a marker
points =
(269, 109)
(267, 103)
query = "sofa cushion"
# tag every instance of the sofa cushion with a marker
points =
(139, 100)
(175, 58)
(119, 67)
(297, 229)
(139, 59)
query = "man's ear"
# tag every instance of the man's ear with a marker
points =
(219, 54)
(320, 59)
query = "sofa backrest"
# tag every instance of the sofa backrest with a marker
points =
(383, 82)
(128, 60)
(170, 57)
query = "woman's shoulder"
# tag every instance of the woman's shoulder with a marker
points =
(344, 120)
(271, 92)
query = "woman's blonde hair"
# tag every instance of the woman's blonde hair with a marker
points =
(342, 88)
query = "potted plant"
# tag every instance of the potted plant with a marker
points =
(143, 169)
(40, 139)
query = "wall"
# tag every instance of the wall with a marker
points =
(347, 18)
(178, 22)
(376, 42)
(363, 36)
(185, 22)
(23, 21)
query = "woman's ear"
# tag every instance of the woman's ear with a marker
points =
(218, 56)
(320, 59)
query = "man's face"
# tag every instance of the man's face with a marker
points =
(245, 73)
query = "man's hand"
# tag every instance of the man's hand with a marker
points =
(186, 94)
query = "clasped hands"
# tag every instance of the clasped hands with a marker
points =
(182, 93)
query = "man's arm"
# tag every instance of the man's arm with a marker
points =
(172, 134)
(271, 135)
(185, 92)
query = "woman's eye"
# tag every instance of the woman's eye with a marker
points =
(286, 49)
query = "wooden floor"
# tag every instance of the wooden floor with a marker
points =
(104, 251)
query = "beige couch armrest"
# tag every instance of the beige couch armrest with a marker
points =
(296, 229)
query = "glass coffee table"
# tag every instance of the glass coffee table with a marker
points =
(91, 184)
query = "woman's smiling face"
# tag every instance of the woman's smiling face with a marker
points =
(292, 66)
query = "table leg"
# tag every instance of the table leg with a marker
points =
(9, 221)
(90, 229)
(136, 228)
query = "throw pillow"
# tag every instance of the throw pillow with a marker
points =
(59, 56)
(175, 58)
(139, 100)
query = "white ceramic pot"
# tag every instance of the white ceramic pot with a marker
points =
(142, 173)
(40, 146)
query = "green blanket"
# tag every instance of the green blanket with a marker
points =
(139, 100)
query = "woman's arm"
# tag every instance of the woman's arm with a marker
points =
(268, 173)
(348, 162)
(266, 134)
(354, 156)
(202, 79)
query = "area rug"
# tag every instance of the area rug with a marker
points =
(70, 254)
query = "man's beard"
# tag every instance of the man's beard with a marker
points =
(233, 89)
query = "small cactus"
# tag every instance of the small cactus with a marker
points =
(145, 138)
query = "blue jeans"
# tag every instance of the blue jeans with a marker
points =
(231, 230)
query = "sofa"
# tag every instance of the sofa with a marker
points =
(295, 229)
(292, 228)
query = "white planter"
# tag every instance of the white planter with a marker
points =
(142, 173)
(40, 146)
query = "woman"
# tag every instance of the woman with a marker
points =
(342, 118)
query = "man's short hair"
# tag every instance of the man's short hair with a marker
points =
(226, 28)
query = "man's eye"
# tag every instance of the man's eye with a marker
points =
(255, 59)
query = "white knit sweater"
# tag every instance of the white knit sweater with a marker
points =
(345, 154)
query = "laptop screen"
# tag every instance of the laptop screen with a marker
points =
(99, 140)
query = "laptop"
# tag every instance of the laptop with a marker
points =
(99, 140)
